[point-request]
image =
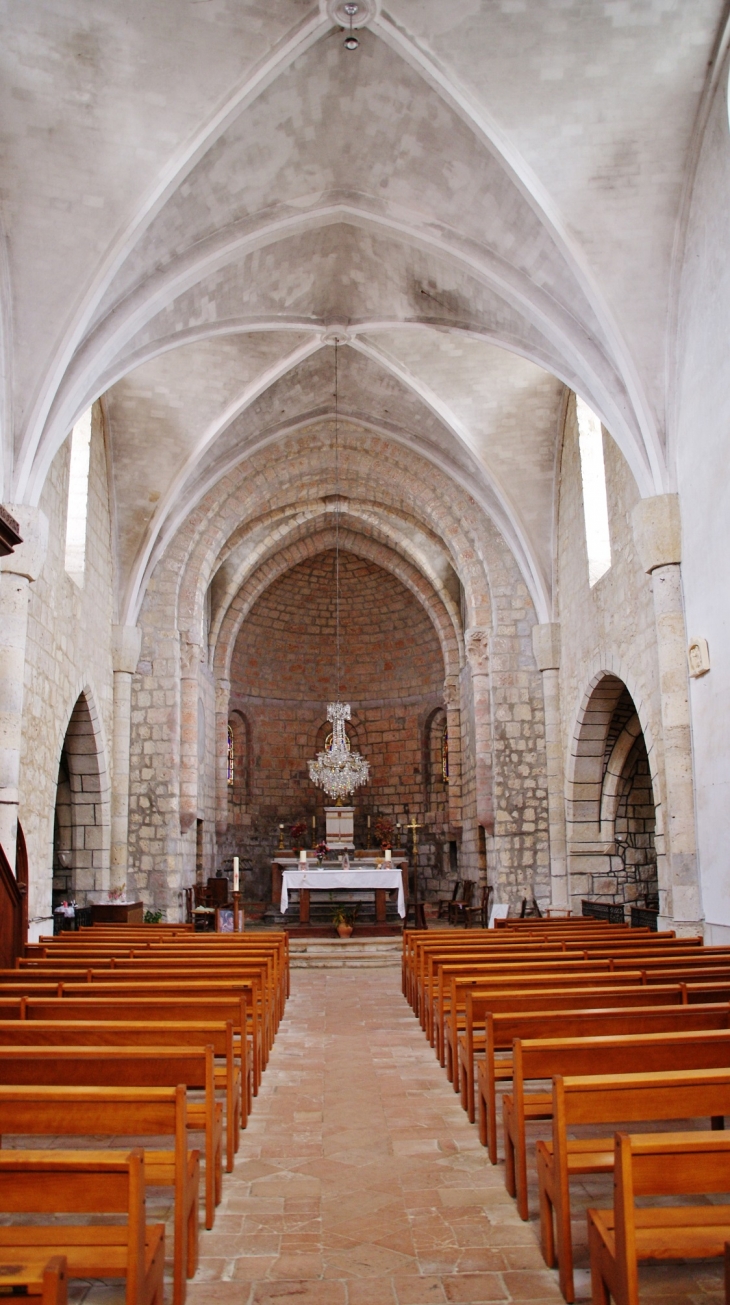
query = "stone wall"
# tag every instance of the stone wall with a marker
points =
(608, 640)
(69, 657)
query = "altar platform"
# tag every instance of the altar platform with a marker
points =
(304, 899)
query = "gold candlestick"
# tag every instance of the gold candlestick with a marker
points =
(281, 838)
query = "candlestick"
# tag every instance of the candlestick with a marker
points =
(235, 874)
(387, 854)
(281, 837)
(303, 856)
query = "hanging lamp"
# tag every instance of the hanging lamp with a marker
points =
(337, 769)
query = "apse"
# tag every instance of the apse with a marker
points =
(284, 672)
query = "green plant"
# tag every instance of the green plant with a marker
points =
(152, 917)
(345, 917)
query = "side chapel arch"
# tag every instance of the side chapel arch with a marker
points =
(82, 825)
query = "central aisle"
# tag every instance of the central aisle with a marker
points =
(359, 1180)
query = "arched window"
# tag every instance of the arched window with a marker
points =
(78, 499)
(445, 755)
(595, 502)
(230, 760)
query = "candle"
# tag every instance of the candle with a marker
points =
(235, 874)
(303, 856)
(387, 854)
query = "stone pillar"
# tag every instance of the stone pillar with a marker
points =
(222, 698)
(18, 570)
(477, 652)
(191, 655)
(657, 532)
(546, 646)
(126, 645)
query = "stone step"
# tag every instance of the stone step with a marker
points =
(336, 953)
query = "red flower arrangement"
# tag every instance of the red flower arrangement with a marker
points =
(384, 832)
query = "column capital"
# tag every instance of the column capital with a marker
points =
(28, 558)
(546, 645)
(658, 531)
(126, 647)
(191, 655)
(477, 640)
(452, 696)
(222, 694)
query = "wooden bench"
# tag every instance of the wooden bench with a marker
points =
(47, 1280)
(126, 1033)
(93, 1182)
(123, 1112)
(533, 979)
(654, 1165)
(118, 996)
(137, 1067)
(500, 1031)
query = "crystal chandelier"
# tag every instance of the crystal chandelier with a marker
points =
(338, 770)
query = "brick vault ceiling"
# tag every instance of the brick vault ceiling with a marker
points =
(484, 200)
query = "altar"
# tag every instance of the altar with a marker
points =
(361, 874)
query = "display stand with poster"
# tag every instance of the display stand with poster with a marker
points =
(230, 919)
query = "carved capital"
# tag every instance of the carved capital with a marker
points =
(222, 696)
(452, 697)
(658, 531)
(191, 655)
(477, 649)
(546, 645)
(126, 647)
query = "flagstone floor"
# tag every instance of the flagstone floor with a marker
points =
(359, 1180)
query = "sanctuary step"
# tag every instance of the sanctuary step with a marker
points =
(338, 953)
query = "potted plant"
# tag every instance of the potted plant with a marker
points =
(344, 921)
(297, 832)
(384, 832)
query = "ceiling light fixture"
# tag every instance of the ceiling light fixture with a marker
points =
(351, 42)
(337, 769)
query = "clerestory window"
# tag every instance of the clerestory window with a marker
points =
(595, 502)
(78, 499)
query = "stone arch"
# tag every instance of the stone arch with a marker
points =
(352, 542)
(239, 790)
(82, 824)
(612, 804)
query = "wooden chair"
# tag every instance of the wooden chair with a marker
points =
(457, 908)
(130, 1112)
(480, 912)
(445, 903)
(654, 1165)
(46, 1280)
(92, 1182)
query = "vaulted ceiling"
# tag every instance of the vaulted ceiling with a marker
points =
(483, 204)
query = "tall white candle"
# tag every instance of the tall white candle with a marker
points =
(387, 854)
(235, 874)
(303, 856)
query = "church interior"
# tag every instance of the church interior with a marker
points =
(364, 591)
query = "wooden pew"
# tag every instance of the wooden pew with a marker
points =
(232, 1077)
(212, 998)
(533, 979)
(138, 1067)
(544, 1058)
(46, 1280)
(95, 1182)
(501, 1030)
(654, 1165)
(124, 1112)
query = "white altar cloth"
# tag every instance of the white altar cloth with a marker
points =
(350, 879)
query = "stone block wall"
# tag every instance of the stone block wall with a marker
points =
(607, 630)
(68, 657)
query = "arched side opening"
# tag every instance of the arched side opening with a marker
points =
(612, 813)
(82, 835)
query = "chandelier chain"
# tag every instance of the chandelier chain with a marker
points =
(337, 530)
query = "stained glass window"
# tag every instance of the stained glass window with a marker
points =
(230, 755)
(445, 756)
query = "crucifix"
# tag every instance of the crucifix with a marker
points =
(418, 913)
